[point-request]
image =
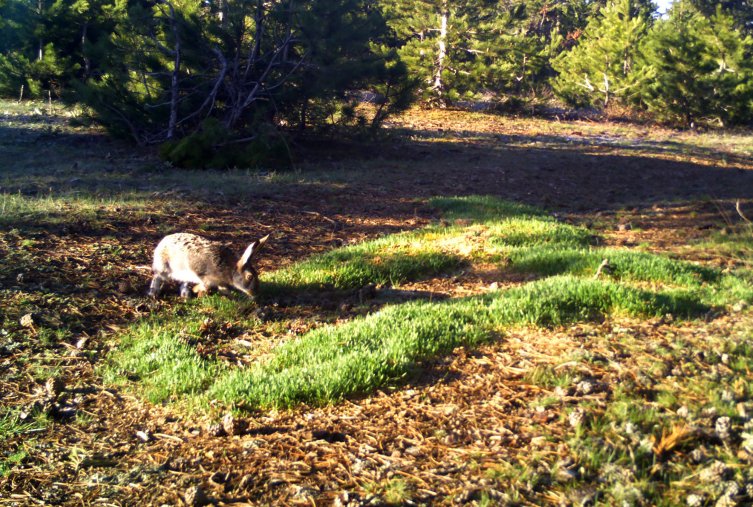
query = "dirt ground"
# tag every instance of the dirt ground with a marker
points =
(444, 431)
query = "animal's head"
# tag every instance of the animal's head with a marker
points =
(245, 277)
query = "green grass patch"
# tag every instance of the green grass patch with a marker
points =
(390, 260)
(626, 265)
(157, 354)
(483, 208)
(389, 346)
(332, 362)
(12, 426)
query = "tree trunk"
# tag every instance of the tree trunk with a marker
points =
(442, 49)
(87, 64)
(40, 56)
(174, 79)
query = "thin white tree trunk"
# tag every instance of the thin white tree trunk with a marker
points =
(174, 80)
(40, 6)
(442, 49)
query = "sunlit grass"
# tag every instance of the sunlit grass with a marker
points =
(359, 356)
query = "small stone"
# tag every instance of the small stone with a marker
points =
(304, 493)
(233, 425)
(694, 500)
(414, 451)
(27, 321)
(566, 475)
(624, 227)
(196, 497)
(344, 499)
(739, 306)
(494, 286)
(728, 395)
(683, 412)
(144, 436)
(560, 392)
(54, 387)
(82, 343)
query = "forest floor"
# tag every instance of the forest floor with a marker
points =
(618, 409)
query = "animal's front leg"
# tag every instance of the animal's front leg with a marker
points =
(200, 290)
(155, 286)
(224, 290)
(185, 290)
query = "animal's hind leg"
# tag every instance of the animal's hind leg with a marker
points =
(155, 286)
(185, 290)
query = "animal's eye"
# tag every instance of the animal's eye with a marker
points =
(249, 276)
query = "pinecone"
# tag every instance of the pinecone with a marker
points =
(54, 387)
(585, 387)
(731, 488)
(216, 430)
(749, 490)
(725, 501)
(715, 473)
(697, 456)
(723, 427)
(27, 321)
(234, 426)
(577, 417)
(694, 500)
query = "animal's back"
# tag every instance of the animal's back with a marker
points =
(188, 258)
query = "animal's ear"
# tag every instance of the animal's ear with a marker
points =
(251, 252)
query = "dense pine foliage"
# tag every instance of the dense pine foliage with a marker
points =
(217, 72)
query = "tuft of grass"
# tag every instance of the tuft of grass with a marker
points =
(11, 426)
(483, 208)
(625, 265)
(155, 354)
(390, 260)
(517, 232)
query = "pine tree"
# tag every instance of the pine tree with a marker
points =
(513, 50)
(430, 35)
(740, 10)
(44, 43)
(606, 63)
(702, 68)
(212, 78)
